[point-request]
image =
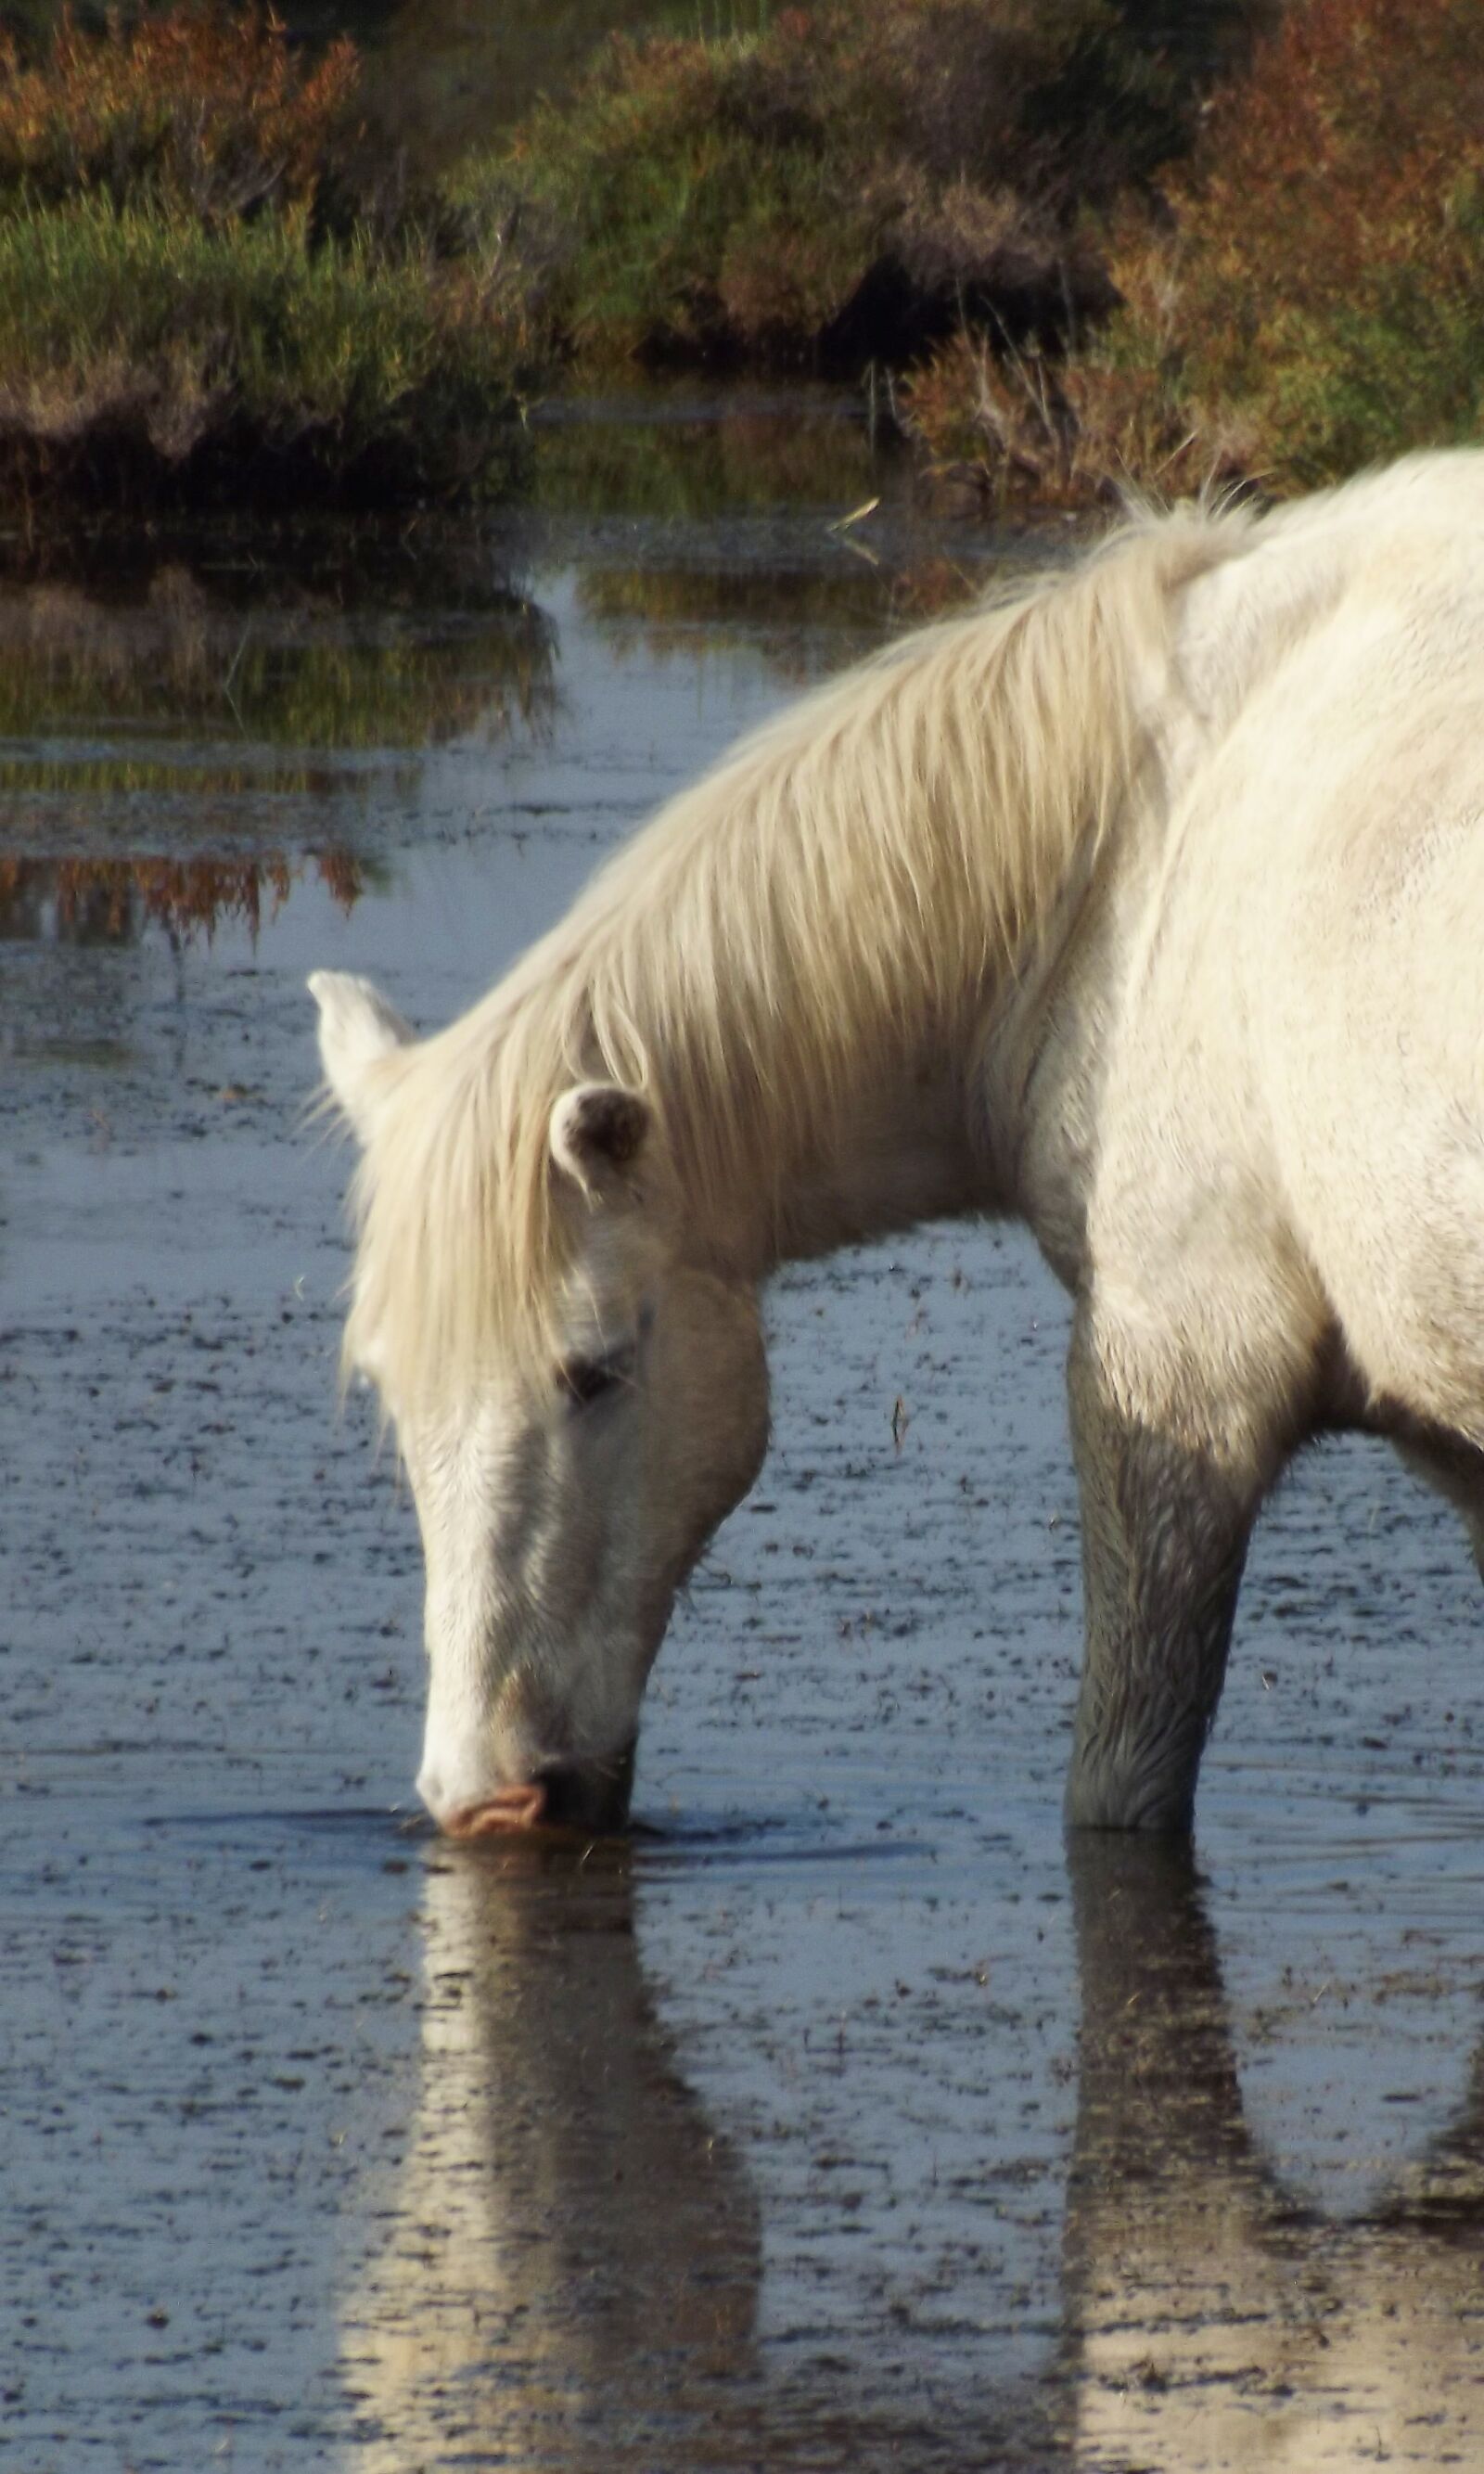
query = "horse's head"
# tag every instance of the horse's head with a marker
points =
(562, 1502)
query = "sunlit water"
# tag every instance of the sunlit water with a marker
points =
(834, 2122)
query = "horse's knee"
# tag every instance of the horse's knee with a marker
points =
(1145, 1780)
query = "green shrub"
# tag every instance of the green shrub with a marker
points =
(835, 186)
(201, 109)
(204, 294)
(142, 341)
(1311, 299)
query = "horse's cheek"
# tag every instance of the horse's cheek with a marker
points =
(715, 1421)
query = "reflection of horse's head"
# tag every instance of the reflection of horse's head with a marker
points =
(1215, 2321)
(574, 2256)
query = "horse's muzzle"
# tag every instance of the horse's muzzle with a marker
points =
(591, 1796)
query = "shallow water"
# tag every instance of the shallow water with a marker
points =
(837, 2119)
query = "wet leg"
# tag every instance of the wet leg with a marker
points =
(1166, 1520)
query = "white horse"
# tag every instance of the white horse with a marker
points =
(1147, 905)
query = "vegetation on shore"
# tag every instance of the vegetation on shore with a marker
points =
(1071, 253)
(839, 186)
(1081, 262)
(1308, 299)
(206, 293)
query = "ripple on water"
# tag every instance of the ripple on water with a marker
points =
(840, 2117)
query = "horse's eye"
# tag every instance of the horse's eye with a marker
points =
(586, 1379)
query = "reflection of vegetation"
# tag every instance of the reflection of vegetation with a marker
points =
(790, 621)
(236, 673)
(208, 290)
(259, 666)
(675, 463)
(108, 901)
(702, 480)
(801, 625)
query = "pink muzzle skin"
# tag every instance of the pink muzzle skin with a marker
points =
(510, 1809)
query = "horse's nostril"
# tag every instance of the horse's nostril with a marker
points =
(570, 1800)
(588, 1795)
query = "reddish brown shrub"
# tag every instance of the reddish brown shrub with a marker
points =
(202, 108)
(1313, 301)
(1329, 268)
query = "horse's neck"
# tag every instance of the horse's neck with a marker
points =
(904, 1156)
(827, 941)
(935, 1138)
(999, 1115)
(934, 1132)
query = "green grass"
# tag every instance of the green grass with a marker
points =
(214, 288)
(140, 341)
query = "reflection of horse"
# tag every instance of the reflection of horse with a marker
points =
(1149, 905)
(571, 2254)
(1213, 2321)
(574, 2255)
(572, 2258)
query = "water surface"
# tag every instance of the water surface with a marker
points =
(837, 2119)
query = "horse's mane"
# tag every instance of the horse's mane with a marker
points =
(849, 880)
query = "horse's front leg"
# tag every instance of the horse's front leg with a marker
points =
(1166, 1515)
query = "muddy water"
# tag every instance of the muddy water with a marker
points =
(840, 2119)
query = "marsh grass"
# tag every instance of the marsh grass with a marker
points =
(193, 308)
(140, 346)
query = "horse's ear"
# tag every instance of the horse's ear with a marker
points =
(357, 1030)
(598, 1128)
